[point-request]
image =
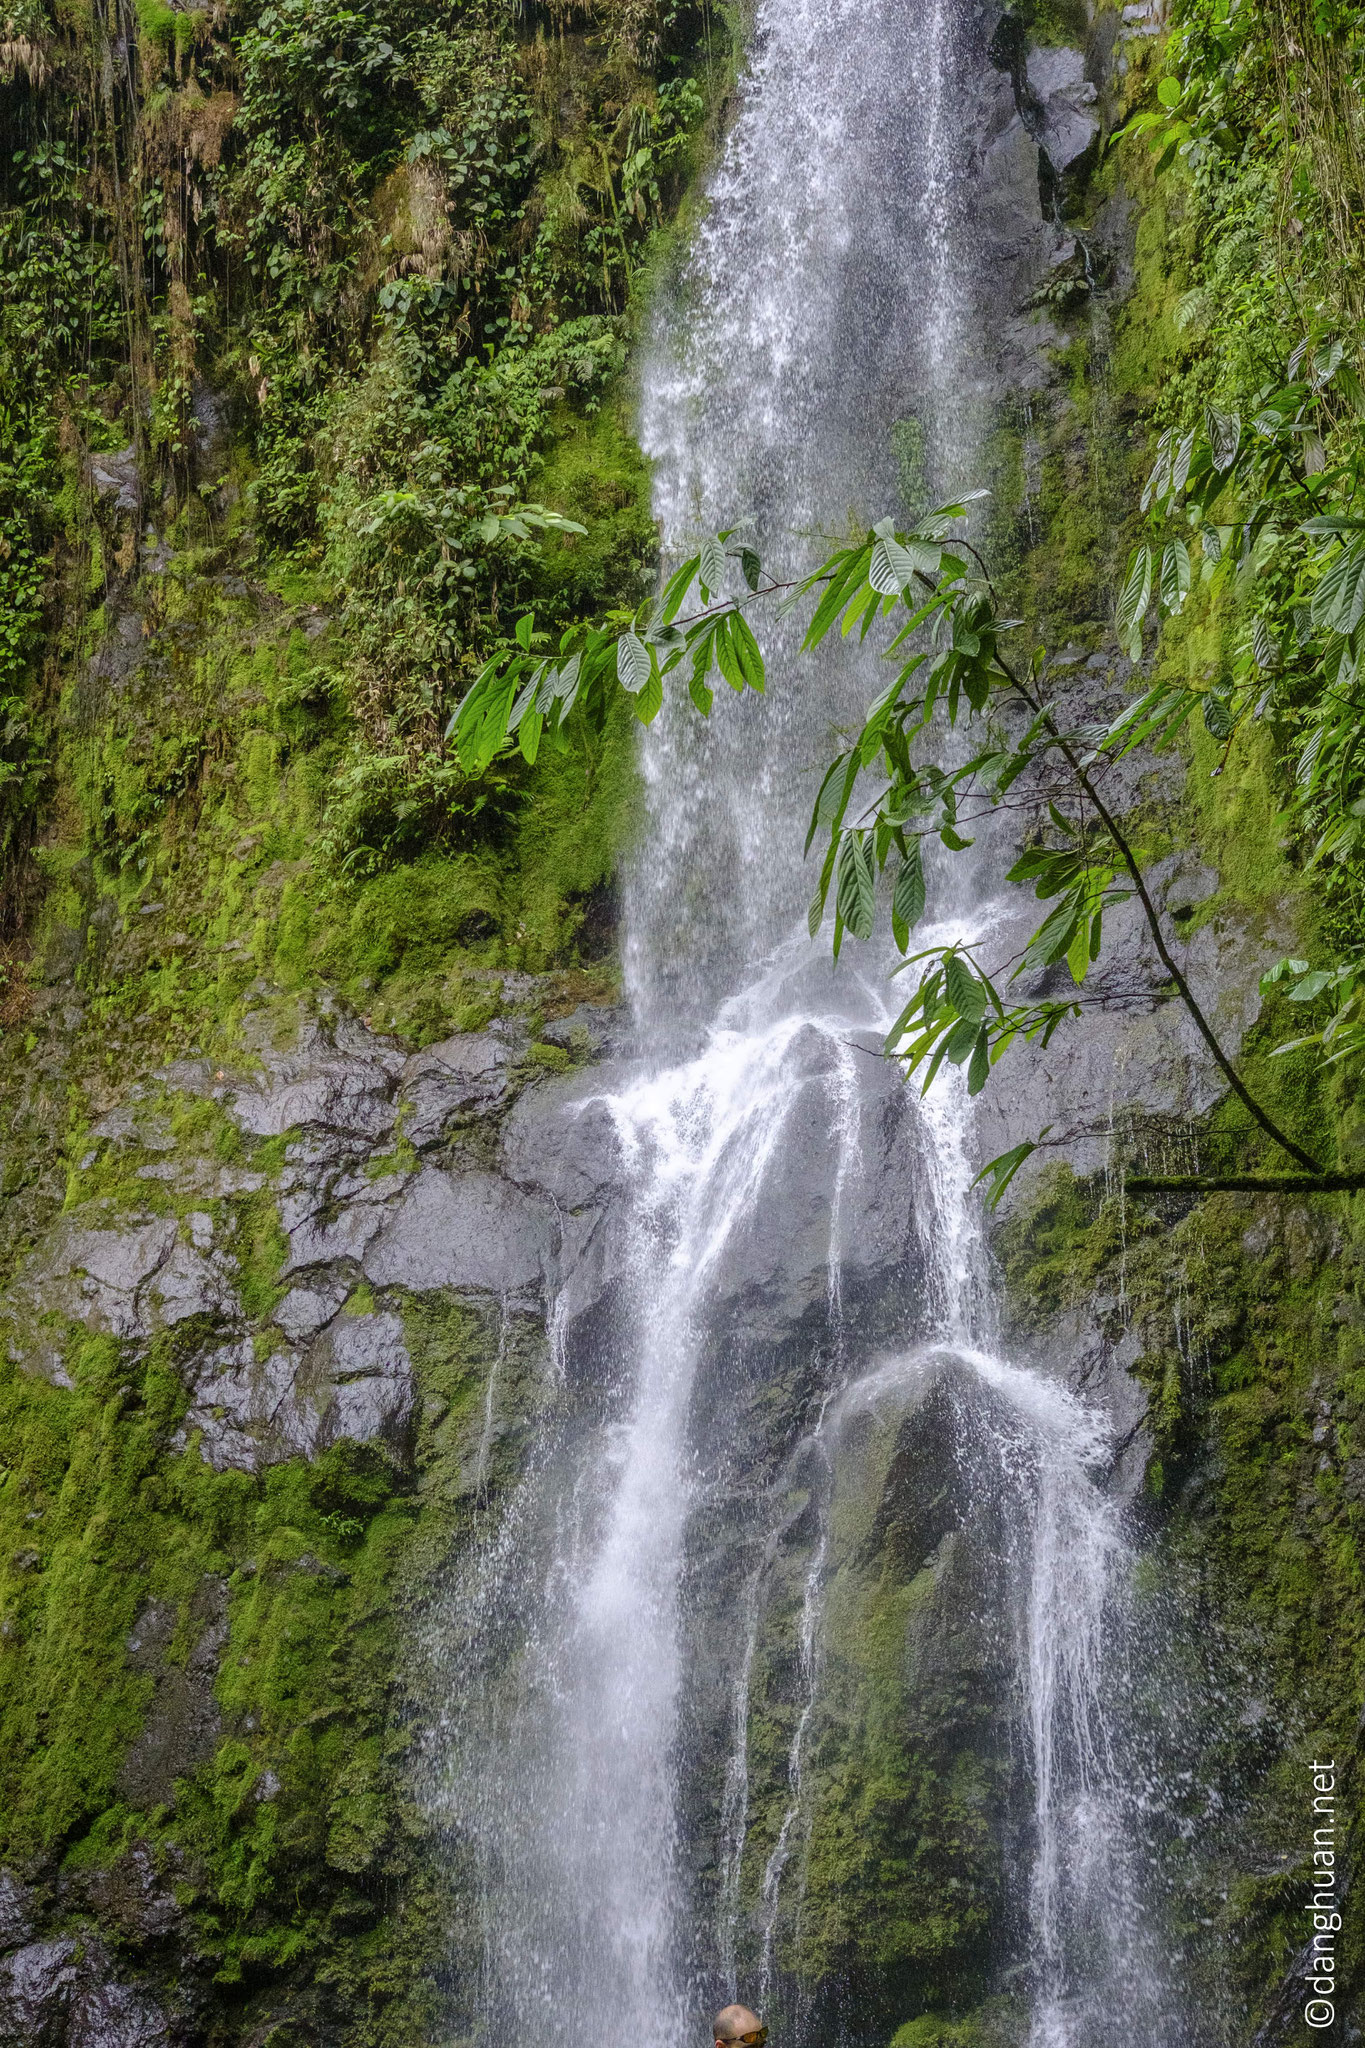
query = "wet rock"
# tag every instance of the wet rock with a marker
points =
(354, 1380)
(467, 1075)
(561, 1142)
(338, 1219)
(18, 1915)
(115, 478)
(65, 1994)
(127, 1282)
(1145, 1054)
(810, 1211)
(350, 1096)
(246, 1408)
(305, 1309)
(470, 1230)
(336, 1076)
(371, 1382)
(590, 1030)
(182, 1724)
(1096, 1359)
(37, 1987)
(128, 1896)
(1065, 99)
(128, 1125)
(106, 2014)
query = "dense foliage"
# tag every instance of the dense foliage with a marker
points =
(303, 285)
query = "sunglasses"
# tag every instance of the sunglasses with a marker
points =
(754, 2040)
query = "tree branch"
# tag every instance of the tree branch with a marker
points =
(1130, 861)
(1244, 1183)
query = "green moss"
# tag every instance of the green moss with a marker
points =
(1053, 1248)
(261, 1248)
(554, 1058)
(1000, 2023)
(298, 1827)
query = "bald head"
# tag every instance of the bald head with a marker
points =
(733, 2022)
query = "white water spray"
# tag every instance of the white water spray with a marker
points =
(825, 300)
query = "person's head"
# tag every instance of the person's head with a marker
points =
(737, 2027)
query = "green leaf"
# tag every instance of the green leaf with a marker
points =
(676, 589)
(965, 992)
(527, 696)
(835, 791)
(1175, 575)
(752, 567)
(953, 839)
(856, 899)
(1224, 430)
(748, 653)
(1052, 940)
(1001, 1171)
(634, 664)
(1168, 92)
(1078, 952)
(1159, 482)
(727, 658)
(1339, 600)
(1137, 595)
(711, 567)
(892, 567)
(528, 736)
(846, 572)
(565, 679)
(907, 904)
(978, 1072)
(649, 699)
(961, 1041)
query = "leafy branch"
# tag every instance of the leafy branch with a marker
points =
(951, 669)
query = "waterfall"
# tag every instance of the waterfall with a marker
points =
(825, 300)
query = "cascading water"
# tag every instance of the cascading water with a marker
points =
(825, 300)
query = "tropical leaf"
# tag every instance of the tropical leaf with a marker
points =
(634, 663)
(1339, 600)
(856, 899)
(1175, 575)
(710, 567)
(892, 567)
(649, 699)
(907, 903)
(1159, 482)
(1224, 430)
(999, 1172)
(1137, 595)
(966, 994)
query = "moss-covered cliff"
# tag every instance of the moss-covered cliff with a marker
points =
(308, 323)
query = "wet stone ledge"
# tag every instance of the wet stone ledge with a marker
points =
(327, 1179)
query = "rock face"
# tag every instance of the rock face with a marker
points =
(392, 1178)
(67, 1992)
